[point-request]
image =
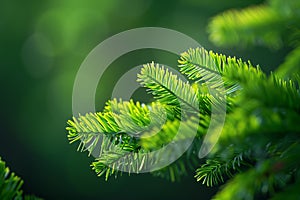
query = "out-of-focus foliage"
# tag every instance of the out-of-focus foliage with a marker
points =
(274, 24)
(249, 26)
(10, 185)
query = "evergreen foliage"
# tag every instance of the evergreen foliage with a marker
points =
(10, 185)
(256, 156)
(274, 24)
(268, 106)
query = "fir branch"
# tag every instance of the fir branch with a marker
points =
(170, 90)
(117, 126)
(216, 170)
(177, 132)
(117, 161)
(90, 129)
(134, 118)
(157, 138)
(10, 185)
(217, 70)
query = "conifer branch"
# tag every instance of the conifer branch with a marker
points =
(10, 185)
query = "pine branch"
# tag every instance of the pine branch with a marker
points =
(177, 132)
(223, 76)
(134, 118)
(216, 170)
(125, 134)
(117, 161)
(90, 130)
(168, 89)
(217, 70)
(118, 126)
(157, 138)
(111, 135)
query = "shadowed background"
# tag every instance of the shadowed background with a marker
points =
(42, 47)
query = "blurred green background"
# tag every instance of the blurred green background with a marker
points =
(43, 44)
